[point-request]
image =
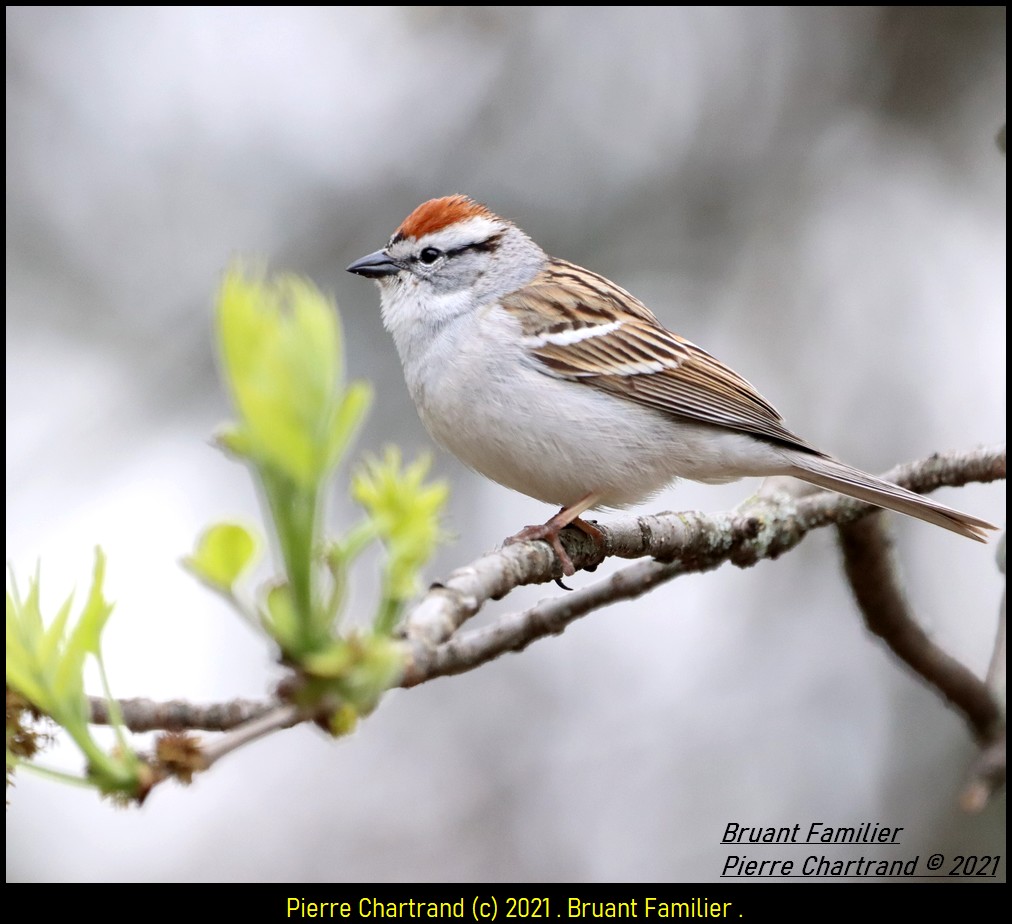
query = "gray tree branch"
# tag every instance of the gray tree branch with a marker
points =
(763, 527)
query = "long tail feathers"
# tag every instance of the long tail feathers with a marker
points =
(829, 473)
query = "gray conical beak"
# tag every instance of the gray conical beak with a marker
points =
(374, 266)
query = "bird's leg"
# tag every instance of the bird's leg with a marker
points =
(567, 516)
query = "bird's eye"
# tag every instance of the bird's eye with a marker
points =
(429, 255)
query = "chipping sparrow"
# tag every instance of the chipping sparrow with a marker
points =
(553, 381)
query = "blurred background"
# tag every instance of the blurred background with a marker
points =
(815, 196)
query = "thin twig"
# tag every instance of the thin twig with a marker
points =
(275, 719)
(870, 564)
(549, 617)
(142, 715)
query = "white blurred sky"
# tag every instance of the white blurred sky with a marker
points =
(813, 195)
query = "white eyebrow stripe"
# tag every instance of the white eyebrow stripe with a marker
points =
(573, 335)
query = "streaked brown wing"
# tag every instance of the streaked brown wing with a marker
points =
(632, 355)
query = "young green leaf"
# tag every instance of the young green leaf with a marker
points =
(224, 551)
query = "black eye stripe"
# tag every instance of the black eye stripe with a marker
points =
(486, 246)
